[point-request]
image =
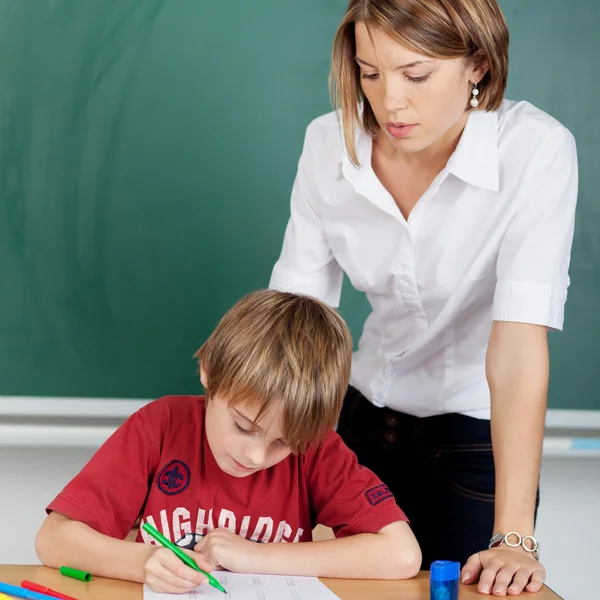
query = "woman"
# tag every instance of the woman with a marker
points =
(453, 209)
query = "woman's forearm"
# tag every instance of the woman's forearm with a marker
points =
(518, 369)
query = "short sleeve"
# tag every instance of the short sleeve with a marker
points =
(346, 496)
(534, 256)
(110, 491)
(306, 264)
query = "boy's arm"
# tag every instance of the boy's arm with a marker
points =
(62, 541)
(392, 553)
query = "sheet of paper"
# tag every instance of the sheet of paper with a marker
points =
(254, 587)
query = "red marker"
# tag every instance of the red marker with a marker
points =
(34, 587)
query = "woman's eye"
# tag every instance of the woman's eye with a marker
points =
(419, 79)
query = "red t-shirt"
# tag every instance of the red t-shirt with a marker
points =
(158, 467)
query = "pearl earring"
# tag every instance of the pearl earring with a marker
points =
(474, 101)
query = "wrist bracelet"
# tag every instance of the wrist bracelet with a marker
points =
(513, 540)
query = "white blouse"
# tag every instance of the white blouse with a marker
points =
(490, 240)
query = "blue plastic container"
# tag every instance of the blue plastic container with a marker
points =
(444, 579)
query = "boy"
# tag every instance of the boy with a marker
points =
(257, 460)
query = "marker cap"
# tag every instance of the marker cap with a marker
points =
(76, 574)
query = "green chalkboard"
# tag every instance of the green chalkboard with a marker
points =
(147, 152)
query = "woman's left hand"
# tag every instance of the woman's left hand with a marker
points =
(502, 571)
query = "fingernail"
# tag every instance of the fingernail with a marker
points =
(465, 576)
(485, 589)
(499, 592)
(532, 586)
(513, 588)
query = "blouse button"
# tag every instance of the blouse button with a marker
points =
(391, 420)
(390, 436)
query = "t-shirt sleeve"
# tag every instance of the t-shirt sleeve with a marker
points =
(346, 496)
(110, 491)
(534, 256)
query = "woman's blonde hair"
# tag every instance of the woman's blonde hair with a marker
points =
(280, 350)
(470, 29)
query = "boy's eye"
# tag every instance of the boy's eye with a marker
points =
(241, 429)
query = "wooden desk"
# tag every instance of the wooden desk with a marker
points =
(111, 589)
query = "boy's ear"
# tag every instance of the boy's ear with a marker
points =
(203, 378)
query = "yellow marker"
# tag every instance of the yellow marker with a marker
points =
(5, 597)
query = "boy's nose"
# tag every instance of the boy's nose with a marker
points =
(256, 456)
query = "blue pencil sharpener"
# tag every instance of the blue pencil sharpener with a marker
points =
(444, 579)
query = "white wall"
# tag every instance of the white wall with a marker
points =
(568, 526)
(568, 522)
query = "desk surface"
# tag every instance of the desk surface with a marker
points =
(101, 589)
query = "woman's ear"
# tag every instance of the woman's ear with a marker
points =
(478, 67)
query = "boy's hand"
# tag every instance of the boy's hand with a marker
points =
(504, 571)
(165, 572)
(229, 551)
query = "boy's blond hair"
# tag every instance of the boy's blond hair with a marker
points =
(276, 349)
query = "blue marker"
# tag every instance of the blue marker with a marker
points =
(444, 580)
(19, 592)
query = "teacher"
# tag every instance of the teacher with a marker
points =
(453, 210)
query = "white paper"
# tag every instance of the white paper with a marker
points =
(254, 587)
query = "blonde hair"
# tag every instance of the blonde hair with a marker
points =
(277, 349)
(470, 29)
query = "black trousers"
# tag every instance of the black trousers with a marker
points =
(440, 469)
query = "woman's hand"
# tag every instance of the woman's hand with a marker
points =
(227, 550)
(165, 572)
(502, 571)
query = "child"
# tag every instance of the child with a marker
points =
(257, 460)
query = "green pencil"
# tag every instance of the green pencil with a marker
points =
(188, 560)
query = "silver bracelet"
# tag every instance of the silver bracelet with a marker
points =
(527, 542)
